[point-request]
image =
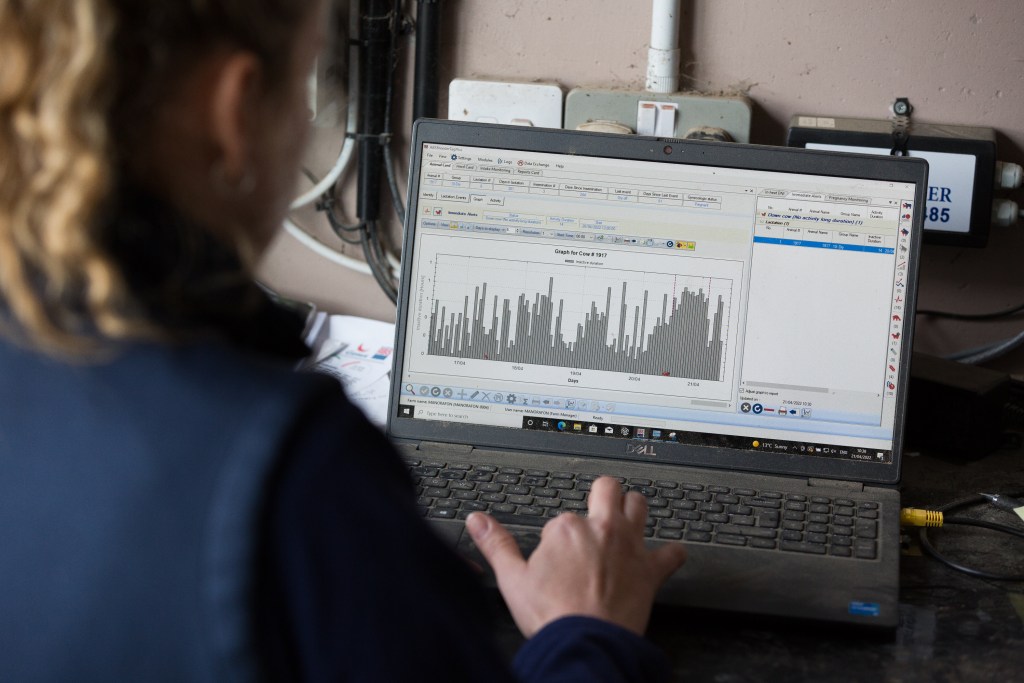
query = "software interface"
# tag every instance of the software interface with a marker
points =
(656, 301)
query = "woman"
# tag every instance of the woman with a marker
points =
(175, 504)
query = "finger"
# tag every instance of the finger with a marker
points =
(563, 524)
(605, 498)
(497, 546)
(634, 506)
(667, 559)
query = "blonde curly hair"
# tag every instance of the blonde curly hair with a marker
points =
(55, 172)
(71, 72)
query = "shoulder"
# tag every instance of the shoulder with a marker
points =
(139, 481)
(219, 381)
(220, 371)
(178, 402)
(205, 367)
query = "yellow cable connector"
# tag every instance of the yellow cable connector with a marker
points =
(918, 517)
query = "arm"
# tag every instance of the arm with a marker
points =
(588, 649)
(358, 588)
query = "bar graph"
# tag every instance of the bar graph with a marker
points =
(657, 324)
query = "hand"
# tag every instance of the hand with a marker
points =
(596, 566)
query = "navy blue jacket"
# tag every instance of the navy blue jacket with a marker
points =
(197, 511)
(129, 494)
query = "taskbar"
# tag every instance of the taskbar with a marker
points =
(665, 435)
(661, 434)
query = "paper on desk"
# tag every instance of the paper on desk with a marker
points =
(357, 352)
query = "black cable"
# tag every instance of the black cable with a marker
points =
(378, 269)
(368, 239)
(379, 256)
(376, 36)
(950, 315)
(396, 198)
(426, 85)
(967, 521)
(992, 351)
(389, 166)
(342, 230)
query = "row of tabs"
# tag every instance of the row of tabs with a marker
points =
(456, 188)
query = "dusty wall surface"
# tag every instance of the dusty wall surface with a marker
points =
(958, 63)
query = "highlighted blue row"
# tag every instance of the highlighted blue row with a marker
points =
(824, 245)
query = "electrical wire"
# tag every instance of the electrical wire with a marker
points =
(322, 188)
(373, 246)
(389, 166)
(396, 198)
(986, 352)
(378, 250)
(929, 547)
(333, 175)
(426, 79)
(379, 262)
(994, 315)
(385, 262)
(349, 145)
(318, 247)
(989, 352)
(341, 229)
(374, 258)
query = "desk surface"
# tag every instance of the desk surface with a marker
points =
(953, 627)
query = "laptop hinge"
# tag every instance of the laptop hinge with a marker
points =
(449, 448)
(836, 484)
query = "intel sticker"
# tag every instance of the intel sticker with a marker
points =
(864, 609)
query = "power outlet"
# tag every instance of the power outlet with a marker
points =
(692, 111)
(524, 104)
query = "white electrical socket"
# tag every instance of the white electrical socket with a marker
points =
(525, 104)
(672, 115)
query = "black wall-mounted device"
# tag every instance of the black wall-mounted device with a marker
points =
(961, 160)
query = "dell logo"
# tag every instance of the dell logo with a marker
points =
(641, 449)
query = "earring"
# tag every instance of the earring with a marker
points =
(244, 184)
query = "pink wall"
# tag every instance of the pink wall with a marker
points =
(959, 63)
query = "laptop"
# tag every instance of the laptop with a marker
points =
(727, 328)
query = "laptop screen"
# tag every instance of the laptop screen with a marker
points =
(604, 299)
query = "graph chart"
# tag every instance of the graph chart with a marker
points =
(641, 323)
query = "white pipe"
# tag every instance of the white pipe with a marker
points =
(328, 180)
(318, 247)
(348, 147)
(663, 54)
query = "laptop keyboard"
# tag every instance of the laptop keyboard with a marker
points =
(686, 511)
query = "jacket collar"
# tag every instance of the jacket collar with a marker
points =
(191, 284)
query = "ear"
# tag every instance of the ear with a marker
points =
(233, 110)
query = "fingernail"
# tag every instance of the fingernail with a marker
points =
(478, 524)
